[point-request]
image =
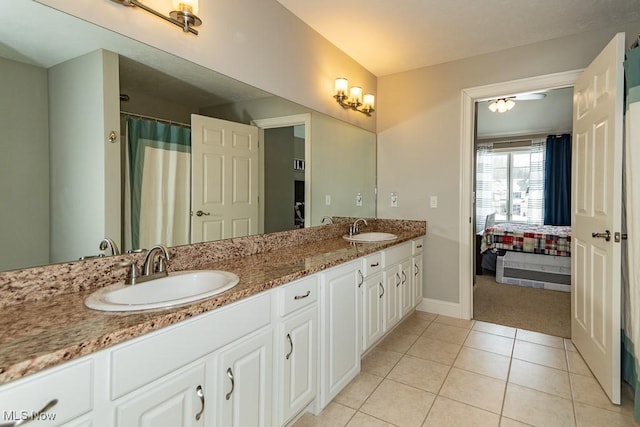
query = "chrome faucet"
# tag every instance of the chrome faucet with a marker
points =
(353, 230)
(328, 218)
(108, 243)
(154, 266)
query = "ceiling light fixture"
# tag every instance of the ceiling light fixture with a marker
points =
(501, 105)
(355, 100)
(184, 14)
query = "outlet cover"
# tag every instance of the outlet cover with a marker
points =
(327, 199)
(394, 199)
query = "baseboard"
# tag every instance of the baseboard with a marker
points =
(435, 306)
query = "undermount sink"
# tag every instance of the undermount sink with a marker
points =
(370, 237)
(177, 288)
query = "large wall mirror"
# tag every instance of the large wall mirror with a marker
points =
(76, 95)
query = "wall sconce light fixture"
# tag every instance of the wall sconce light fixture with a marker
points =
(355, 100)
(184, 14)
(501, 105)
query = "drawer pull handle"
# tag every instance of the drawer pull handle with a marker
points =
(233, 384)
(361, 278)
(381, 287)
(404, 278)
(291, 344)
(200, 395)
(375, 264)
(398, 280)
(302, 296)
(419, 247)
(33, 415)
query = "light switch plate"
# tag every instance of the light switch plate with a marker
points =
(394, 199)
(327, 199)
(434, 202)
(359, 199)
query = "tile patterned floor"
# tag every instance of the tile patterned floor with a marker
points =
(439, 371)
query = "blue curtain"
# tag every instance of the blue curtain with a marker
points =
(557, 180)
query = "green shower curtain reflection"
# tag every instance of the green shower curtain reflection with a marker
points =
(159, 182)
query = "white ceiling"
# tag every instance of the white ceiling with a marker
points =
(551, 115)
(390, 36)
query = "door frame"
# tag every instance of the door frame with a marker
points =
(280, 122)
(469, 97)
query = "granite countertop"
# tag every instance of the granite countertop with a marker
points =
(39, 334)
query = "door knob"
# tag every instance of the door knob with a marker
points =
(606, 235)
(200, 213)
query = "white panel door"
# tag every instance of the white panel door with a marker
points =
(224, 201)
(596, 205)
(372, 310)
(244, 383)
(177, 401)
(298, 352)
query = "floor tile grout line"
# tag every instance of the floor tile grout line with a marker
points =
(506, 382)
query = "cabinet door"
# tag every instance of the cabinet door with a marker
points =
(340, 353)
(174, 401)
(243, 382)
(417, 279)
(372, 310)
(406, 288)
(392, 282)
(297, 352)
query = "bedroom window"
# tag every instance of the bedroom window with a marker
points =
(511, 185)
(510, 182)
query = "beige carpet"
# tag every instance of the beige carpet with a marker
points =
(537, 310)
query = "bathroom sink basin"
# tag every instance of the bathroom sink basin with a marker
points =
(371, 237)
(177, 288)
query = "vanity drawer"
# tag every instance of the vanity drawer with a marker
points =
(298, 294)
(71, 384)
(397, 253)
(157, 354)
(372, 264)
(417, 246)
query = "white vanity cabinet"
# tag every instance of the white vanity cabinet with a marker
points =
(241, 382)
(417, 250)
(373, 301)
(296, 351)
(257, 362)
(339, 329)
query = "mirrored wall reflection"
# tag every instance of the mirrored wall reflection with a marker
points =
(62, 170)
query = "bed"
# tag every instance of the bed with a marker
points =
(528, 255)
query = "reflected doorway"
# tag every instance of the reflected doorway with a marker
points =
(284, 195)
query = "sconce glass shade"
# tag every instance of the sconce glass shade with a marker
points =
(190, 6)
(355, 95)
(341, 86)
(368, 101)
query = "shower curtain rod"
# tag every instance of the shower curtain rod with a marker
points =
(155, 119)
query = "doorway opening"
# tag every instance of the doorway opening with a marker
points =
(467, 167)
(287, 187)
(522, 224)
